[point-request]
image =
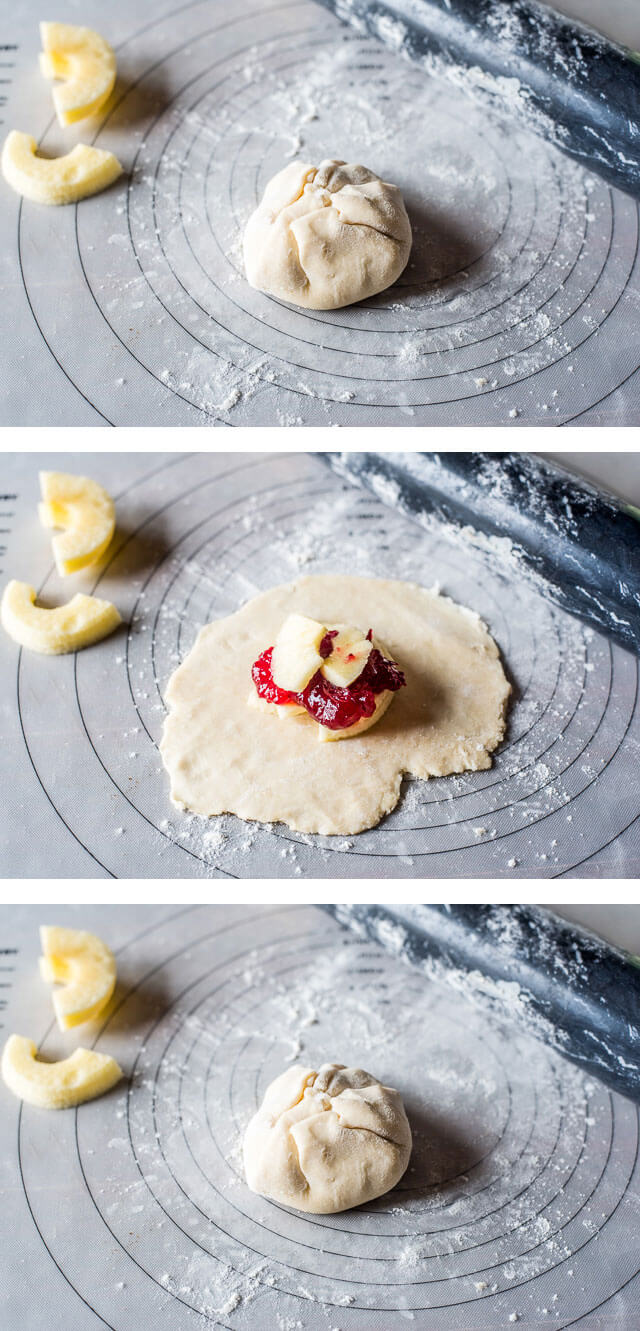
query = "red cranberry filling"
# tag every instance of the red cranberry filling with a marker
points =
(334, 707)
(263, 680)
(326, 646)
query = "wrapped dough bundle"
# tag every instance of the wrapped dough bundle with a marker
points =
(326, 1141)
(327, 236)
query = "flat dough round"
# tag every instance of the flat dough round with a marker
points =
(328, 1140)
(326, 236)
(226, 757)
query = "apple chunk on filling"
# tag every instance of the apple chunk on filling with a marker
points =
(338, 675)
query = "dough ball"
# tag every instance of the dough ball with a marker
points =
(328, 1140)
(326, 236)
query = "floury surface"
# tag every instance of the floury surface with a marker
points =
(518, 306)
(520, 1204)
(197, 536)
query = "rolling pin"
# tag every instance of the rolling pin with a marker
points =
(556, 982)
(579, 546)
(564, 82)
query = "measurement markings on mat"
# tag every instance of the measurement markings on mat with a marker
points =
(7, 970)
(7, 514)
(6, 63)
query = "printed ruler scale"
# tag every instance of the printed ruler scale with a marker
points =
(7, 516)
(8, 958)
(7, 63)
(198, 536)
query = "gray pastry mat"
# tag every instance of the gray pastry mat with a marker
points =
(518, 307)
(522, 1200)
(198, 535)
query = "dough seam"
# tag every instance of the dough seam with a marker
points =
(312, 1118)
(296, 1152)
(368, 227)
(296, 249)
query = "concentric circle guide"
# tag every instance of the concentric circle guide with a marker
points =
(518, 305)
(198, 536)
(520, 1203)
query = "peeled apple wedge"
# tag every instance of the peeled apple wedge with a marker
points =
(56, 180)
(84, 61)
(81, 622)
(296, 656)
(86, 512)
(282, 710)
(349, 655)
(84, 966)
(61, 1085)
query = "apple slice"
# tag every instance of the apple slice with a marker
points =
(383, 701)
(84, 966)
(281, 710)
(296, 654)
(61, 1085)
(350, 651)
(87, 513)
(56, 180)
(84, 61)
(81, 622)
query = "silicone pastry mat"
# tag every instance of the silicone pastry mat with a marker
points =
(520, 1206)
(519, 305)
(198, 536)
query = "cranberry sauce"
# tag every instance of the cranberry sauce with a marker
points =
(333, 707)
(263, 680)
(326, 646)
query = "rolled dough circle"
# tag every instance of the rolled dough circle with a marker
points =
(226, 757)
(326, 1141)
(326, 236)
